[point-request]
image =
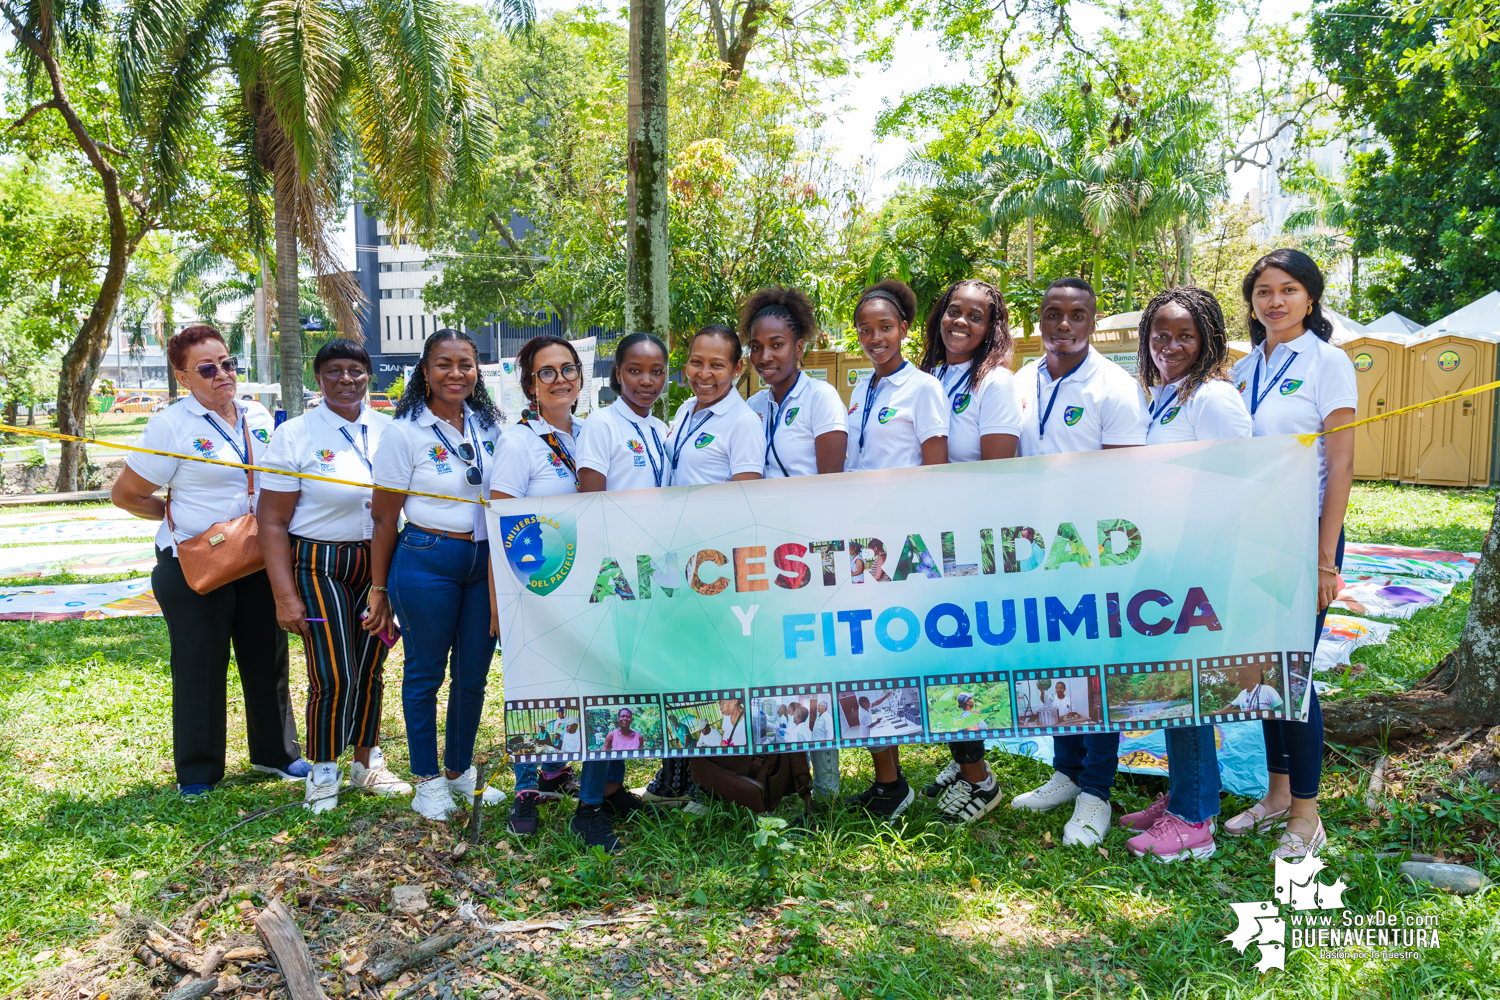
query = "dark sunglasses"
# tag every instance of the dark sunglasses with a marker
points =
(208, 369)
(471, 475)
(569, 373)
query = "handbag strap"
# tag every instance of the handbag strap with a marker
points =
(249, 478)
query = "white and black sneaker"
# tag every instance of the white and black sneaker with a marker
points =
(966, 802)
(944, 781)
(884, 802)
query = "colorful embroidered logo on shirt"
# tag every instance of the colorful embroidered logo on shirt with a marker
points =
(439, 456)
(703, 440)
(1290, 386)
(635, 446)
(1363, 362)
(262, 435)
(961, 402)
(853, 407)
(885, 414)
(790, 416)
(1448, 360)
(1071, 415)
(1166, 418)
(324, 455)
(204, 446)
(489, 448)
(1241, 386)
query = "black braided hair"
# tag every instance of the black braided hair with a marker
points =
(788, 304)
(623, 345)
(895, 292)
(993, 351)
(414, 400)
(1213, 357)
(526, 361)
(1302, 267)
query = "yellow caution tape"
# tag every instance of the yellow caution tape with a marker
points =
(53, 435)
(1308, 439)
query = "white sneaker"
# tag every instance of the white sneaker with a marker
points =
(377, 779)
(1058, 790)
(1089, 823)
(464, 785)
(320, 798)
(433, 799)
(695, 808)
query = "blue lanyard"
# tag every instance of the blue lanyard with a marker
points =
(775, 419)
(244, 459)
(1255, 396)
(953, 392)
(363, 453)
(872, 392)
(1161, 404)
(478, 462)
(691, 428)
(1044, 417)
(656, 470)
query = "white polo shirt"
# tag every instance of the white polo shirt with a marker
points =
(992, 408)
(1301, 384)
(629, 450)
(811, 409)
(202, 494)
(1213, 412)
(716, 444)
(412, 456)
(525, 466)
(325, 444)
(1097, 404)
(907, 408)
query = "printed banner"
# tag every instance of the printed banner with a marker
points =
(1117, 591)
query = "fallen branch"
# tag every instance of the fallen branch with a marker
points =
(390, 966)
(1377, 785)
(288, 949)
(212, 956)
(185, 923)
(193, 989)
(184, 958)
(521, 986)
(1457, 740)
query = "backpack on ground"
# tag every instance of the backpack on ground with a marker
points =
(758, 782)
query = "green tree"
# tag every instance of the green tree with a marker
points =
(1328, 216)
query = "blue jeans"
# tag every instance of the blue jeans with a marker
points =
(1192, 773)
(1296, 748)
(440, 590)
(597, 774)
(1090, 760)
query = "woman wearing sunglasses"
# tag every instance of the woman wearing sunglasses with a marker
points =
(435, 575)
(211, 423)
(538, 458)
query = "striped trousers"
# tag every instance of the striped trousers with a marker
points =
(345, 663)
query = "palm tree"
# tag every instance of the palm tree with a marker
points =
(1330, 207)
(315, 86)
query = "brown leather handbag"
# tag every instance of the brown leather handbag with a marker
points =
(225, 552)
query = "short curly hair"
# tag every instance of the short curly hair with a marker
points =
(790, 305)
(894, 291)
(189, 338)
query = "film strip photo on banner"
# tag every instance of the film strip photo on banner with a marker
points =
(881, 712)
(969, 706)
(622, 726)
(540, 729)
(1059, 700)
(1149, 695)
(792, 717)
(1241, 688)
(706, 723)
(1298, 671)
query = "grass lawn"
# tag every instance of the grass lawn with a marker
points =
(89, 820)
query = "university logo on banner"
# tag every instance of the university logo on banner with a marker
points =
(1072, 414)
(540, 550)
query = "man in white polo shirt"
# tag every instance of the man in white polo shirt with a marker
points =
(1072, 399)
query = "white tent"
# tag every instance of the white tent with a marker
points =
(1479, 320)
(1394, 323)
(1344, 328)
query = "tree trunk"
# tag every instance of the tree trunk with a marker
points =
(1461, 691)
(744, 39)
(287, 320)
(646, 304)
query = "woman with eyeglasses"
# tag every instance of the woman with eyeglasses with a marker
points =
(435, 575)
(315, 537)
(538, 458)
(211, 423)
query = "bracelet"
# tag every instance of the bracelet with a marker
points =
(1324, 569)
(383, 590)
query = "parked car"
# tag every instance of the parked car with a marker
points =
(381, 401)
(133, 403)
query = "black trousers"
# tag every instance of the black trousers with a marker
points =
(201, 628)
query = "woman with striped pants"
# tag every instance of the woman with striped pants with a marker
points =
(315, 537)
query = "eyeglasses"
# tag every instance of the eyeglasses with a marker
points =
(570, 373)
(472, 475)
(208, 369)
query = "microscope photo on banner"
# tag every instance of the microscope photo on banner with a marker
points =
(1041, 596)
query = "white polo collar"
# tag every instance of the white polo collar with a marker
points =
(541, 428)
(900, 375)
(1306, 342)
(722, 407)
(1082, 373)
(335, 421)
(427, 418)
(196, 408)
(797, 389)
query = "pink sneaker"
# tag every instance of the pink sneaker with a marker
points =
(1146, 818)
(1171, 839)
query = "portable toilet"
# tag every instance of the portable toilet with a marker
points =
(1239, 349)
(1452, 444)
(1025, 349)
(851, 368)
(1116, 338)
(1380, 362)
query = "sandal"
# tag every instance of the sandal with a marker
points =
(1256, 819)
(1294, 845)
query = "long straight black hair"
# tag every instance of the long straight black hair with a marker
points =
(1301, 267)
(414, 400)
